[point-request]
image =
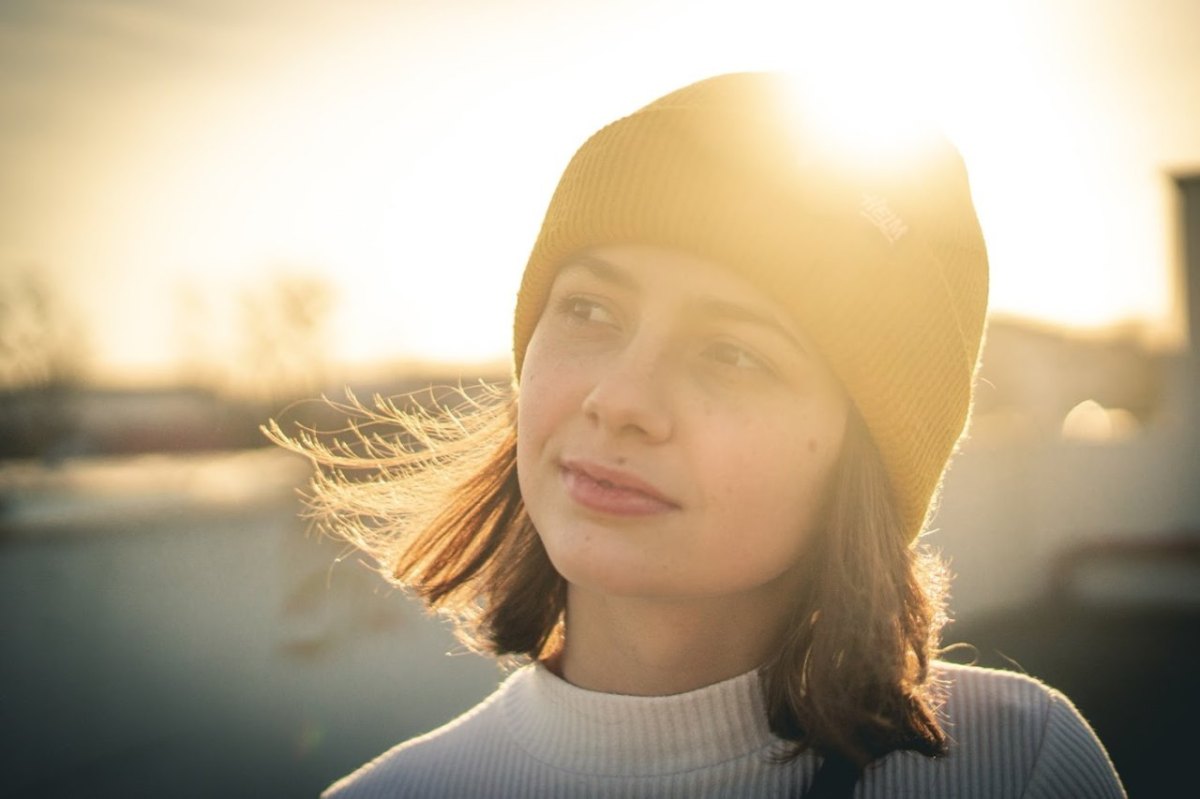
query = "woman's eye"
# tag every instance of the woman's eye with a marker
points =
(584, 310)
(728, 354)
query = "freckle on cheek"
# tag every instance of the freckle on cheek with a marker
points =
(812, 445)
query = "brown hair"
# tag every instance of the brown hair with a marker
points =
(433, 498)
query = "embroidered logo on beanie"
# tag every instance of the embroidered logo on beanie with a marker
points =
(876, 210)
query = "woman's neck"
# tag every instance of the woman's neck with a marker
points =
(657, 647)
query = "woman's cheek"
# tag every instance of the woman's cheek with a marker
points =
(742, 468)
(776, 455)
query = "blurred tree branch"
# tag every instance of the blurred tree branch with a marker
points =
(40, 342)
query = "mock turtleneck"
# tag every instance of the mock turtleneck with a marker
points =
(539, 736)
(604, 734)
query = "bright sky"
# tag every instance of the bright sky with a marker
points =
(405, 151)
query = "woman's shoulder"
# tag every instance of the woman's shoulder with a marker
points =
(1016, 735)
(979, 701)
(403, 769)
(982, 693)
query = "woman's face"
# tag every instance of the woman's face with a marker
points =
(675, 430)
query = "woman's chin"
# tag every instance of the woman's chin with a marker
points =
(617, 577)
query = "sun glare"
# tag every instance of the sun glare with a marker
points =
(1070, 243)
(854, 120)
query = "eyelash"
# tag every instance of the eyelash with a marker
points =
(742, 354)
(569, 306)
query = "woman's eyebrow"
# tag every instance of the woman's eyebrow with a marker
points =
(603, 270)
(713, 308)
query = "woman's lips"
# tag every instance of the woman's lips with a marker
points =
(612, 492)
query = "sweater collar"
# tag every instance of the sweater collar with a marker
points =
(589, 732)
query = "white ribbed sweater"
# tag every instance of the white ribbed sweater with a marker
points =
(539, 736)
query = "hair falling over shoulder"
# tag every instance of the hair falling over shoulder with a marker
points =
(852, 674)
(432, 497)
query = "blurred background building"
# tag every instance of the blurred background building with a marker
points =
(213, 212)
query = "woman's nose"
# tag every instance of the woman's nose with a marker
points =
(628, 397)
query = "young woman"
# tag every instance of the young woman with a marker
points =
(743, 361)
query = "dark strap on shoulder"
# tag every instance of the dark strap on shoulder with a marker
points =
(835, 779)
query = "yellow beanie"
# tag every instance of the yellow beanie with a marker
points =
(883, 264)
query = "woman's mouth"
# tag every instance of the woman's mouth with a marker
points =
(612, 492)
